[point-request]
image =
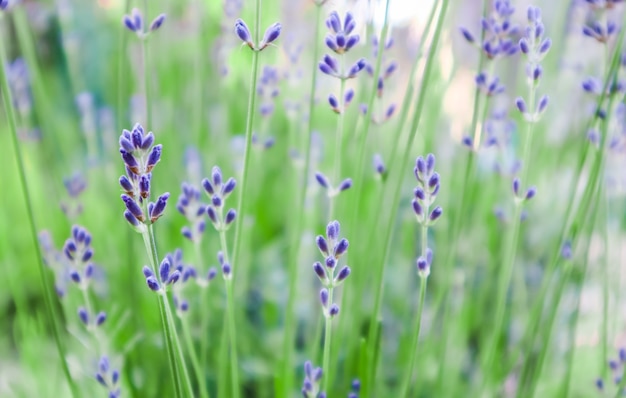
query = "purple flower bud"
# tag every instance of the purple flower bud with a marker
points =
(422, 264)
(89, 269)
(147, 141)
(429, 256)
(343, 274)
(543, 103)
(206, 184)
(159, 207)
(147, 272)
(132, 220)
(351, 42)
(334, 310)
(523, 45)
(356, 68)
(331, 43)
(133, 207)
(390, 111)
(537, 72)
(322, 180)
(530, 193)
(417, 208)
(216, 176)
(157, 22)
(152, 283)
(324, 297)
(433, 181)
(212, 214)
(348, 97)
(100, 318)
(334, 22)
(242, 31)
(87, 255)
(130, 161)
(379, 166)
(419, 193)
(75, 276)
(173, 278)
(230, 216)
(211, 274)
(144, 185)
(271, 34)
(332, 230)
(390, 69)
(516, 185)
(228, 187)
(154, 157)
(126, 145)
(521, 104)
(322, 245)
(340, 248)
(115, 376)
(319, 270)
(164, 269)
(348, 23)
(216, 201)
(220, 257)
(137, 18)
(128, 22)
(345, 185)
(186, 232)
(334, 104)
(126, 185)
(331, 262)
(467, 35)
(436, 213)
(83, 315)
(101, 380)
(226, 269)
(340, 39)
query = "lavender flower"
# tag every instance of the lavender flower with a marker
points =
(426, 191)
(140, 156)
(271, 35)
(522, 196)
(387, 71)
(74, 186)
(168, 274)
(218, 191)
(4, 4)
(108, 377)
(135, 23)
(534, 46)
(190, 206)
(267, 89)
(498, 32)
(78, 252)
(332, 247)
(311, 383)
(324, 182)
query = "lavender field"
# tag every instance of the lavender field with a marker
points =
(312, 198)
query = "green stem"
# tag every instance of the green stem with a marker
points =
(204, 323)
(338, 140)
(246, 154)
(49, 300)
(290, 315)
(328, 330)
(230, 313)
(388, 228)
(167, 335)
(506, 272)
(204, 392)
(404, 392)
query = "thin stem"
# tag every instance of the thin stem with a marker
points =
(388, 228)
(338, 140)
(204, 392)
(51, 309)
(288, 343)
(246, 154)
(164, 325)
(404, 392)
(510, 249)
(146, 74)
(230, 313)
(204, 323)
(328, 331)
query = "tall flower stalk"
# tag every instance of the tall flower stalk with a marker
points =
(332, 248)
(534, 46)
(424, 197)
(218, 191)
(140, 157)
(48, 295)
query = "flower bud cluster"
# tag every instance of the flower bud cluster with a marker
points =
(332, 247)
(140, 157)
(135, 23)
(218, 191)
